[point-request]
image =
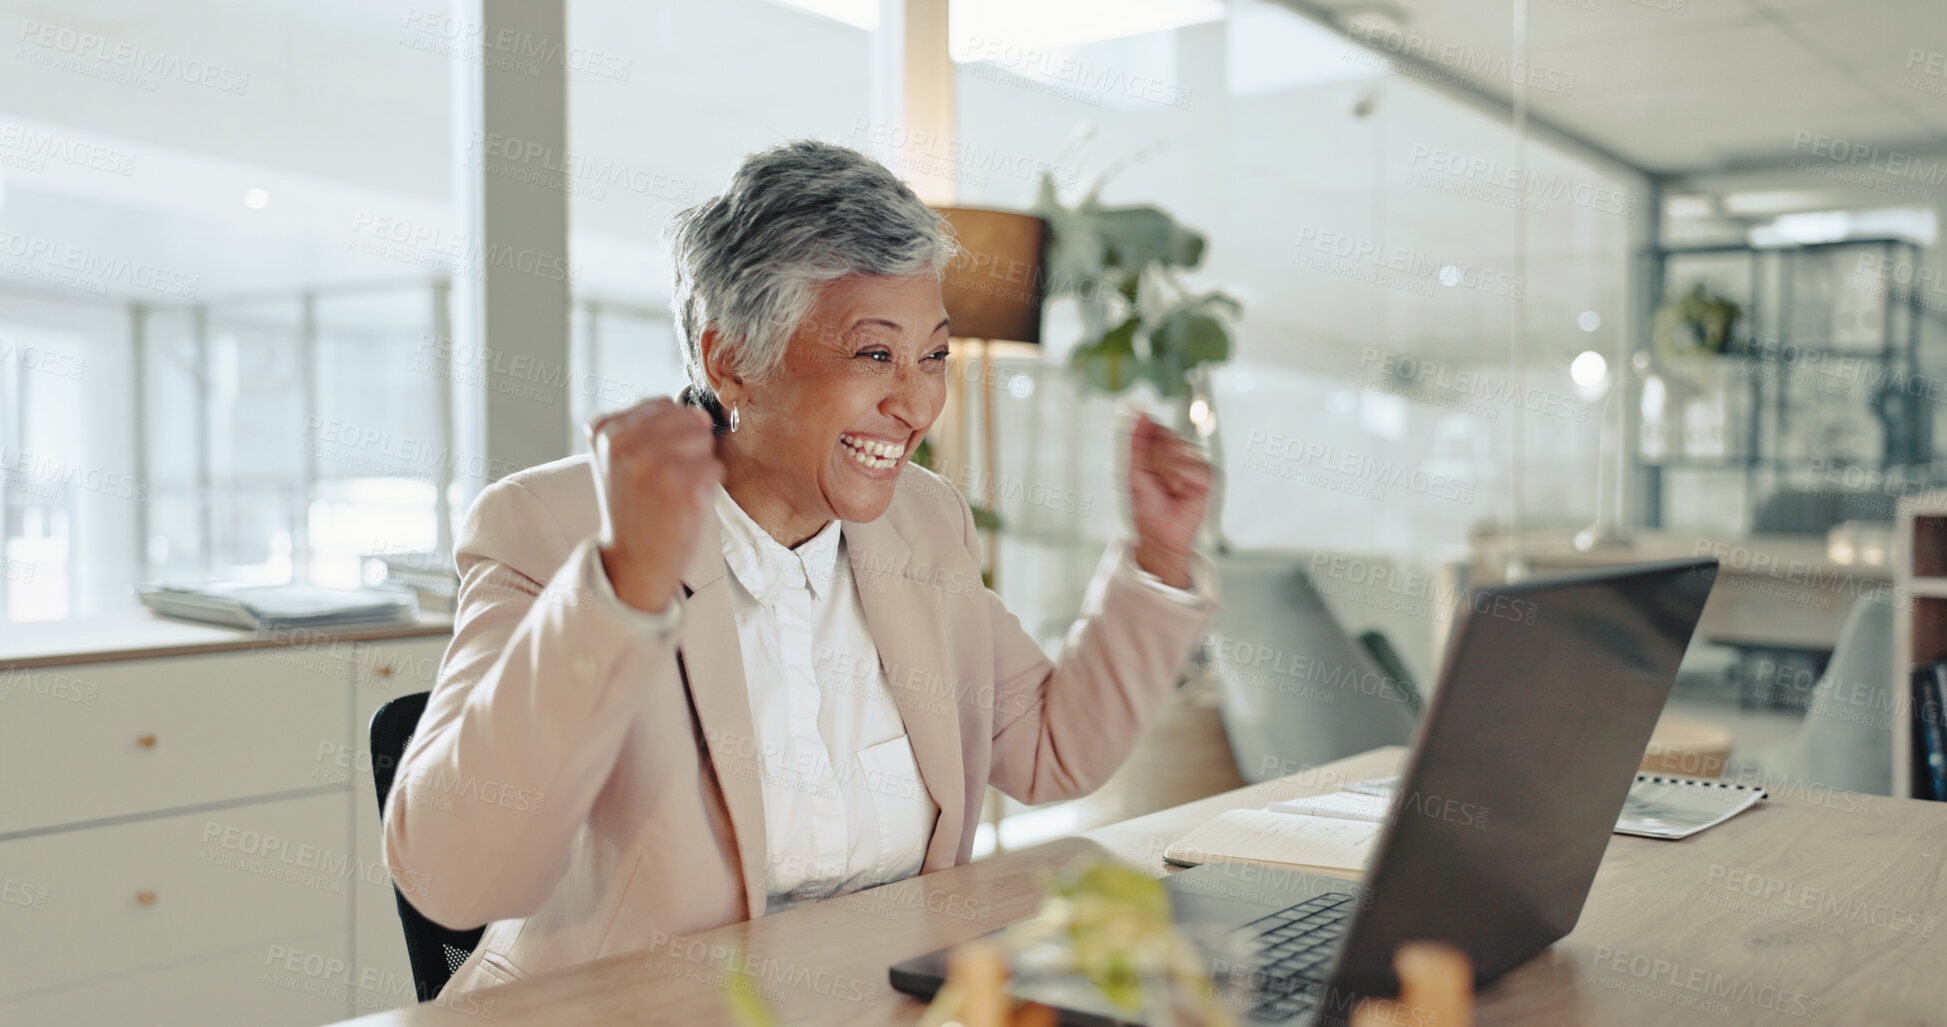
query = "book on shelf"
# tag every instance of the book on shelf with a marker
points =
(1930, 729)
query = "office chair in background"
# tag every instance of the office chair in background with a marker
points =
(1847, 744)
(1774, 675)
(1297, 690)
(436, 952)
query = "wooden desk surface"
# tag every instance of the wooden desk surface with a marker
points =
(1800, 911)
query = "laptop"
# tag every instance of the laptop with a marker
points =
(1499, 819)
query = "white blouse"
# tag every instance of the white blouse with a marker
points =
(844, 807)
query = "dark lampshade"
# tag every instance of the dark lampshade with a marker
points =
(993, 289)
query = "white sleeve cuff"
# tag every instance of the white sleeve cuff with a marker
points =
(650, 627)
(1198, 594)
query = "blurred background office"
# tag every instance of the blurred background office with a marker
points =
(1502, 289)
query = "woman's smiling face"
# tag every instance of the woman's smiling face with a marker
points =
(862, 379)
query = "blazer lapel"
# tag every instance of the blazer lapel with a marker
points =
(713, 671)
(908, 628)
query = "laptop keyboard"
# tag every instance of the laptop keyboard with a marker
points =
(1295, 947)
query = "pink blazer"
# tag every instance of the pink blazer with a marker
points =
(584, 790)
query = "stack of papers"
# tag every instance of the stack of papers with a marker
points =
(428, 576)
(280, 607)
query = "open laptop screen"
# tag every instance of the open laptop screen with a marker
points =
(1546, 701)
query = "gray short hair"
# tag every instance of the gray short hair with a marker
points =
(795, 217)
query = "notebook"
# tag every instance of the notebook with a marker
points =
(1332, 834)
(1327, 846)
(1345, 805)
(1658, 806)
(1662, 806)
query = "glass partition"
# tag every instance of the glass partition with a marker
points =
(1416, 280)
(201, 273)
(1519, 287)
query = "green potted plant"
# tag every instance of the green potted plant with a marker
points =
(1689, 335)
(1140, 321)
(1699, 323)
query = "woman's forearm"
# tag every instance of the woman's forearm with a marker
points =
(535, 698)
(1063, 727)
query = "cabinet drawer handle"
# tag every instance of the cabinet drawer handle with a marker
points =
(383, 670)
(147, 898)
(145, 741)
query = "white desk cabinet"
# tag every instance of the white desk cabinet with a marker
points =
(107, 740)
(193, 839)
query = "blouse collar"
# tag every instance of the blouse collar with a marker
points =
(764, 566)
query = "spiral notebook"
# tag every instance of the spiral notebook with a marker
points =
(1658, 805)
(1333, 834)
(1662, 806)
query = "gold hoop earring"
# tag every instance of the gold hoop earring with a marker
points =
(735, 418)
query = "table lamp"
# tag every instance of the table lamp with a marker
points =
(993, 293)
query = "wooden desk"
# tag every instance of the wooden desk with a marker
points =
(1671, 934)
(1772, 590)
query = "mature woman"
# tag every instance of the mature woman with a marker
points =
(741, 657)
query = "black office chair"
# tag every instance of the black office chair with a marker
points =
(1380, 648)
(436, 952)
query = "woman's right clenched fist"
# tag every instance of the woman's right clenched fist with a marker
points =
(655, 466)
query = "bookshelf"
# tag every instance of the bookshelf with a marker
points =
(1798, 390)
(1920, 629)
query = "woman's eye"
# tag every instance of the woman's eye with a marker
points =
(940, 356)
(878, 354)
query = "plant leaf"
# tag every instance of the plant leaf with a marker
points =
(1184, 338)
(1135, 237)
(1219, 299)
(1164, 368)
(744, 995)
(1074, 254)
(1204, 339)
(1047, 196)
(1110, 363)
(1117, 915)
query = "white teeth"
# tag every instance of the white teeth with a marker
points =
(878, 462)
(871, 453)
